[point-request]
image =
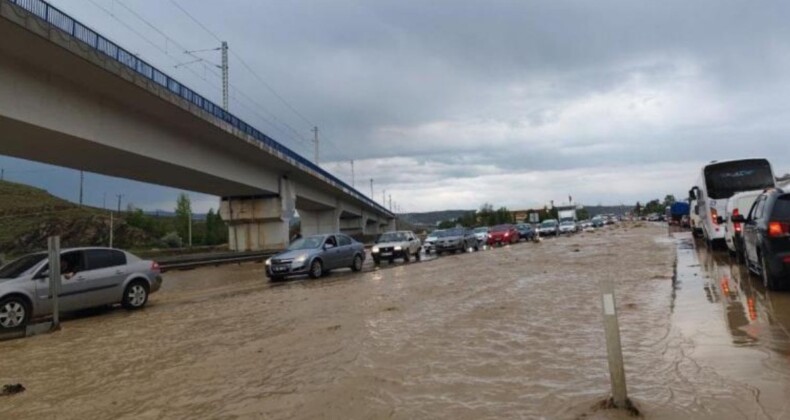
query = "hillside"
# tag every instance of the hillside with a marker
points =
(29, 215)
(433, 217)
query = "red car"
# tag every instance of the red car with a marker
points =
(503, 234)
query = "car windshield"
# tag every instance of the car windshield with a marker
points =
(452, 232)
(500, 228)
(311, 242)
(566, 224)
(21, 266)
(392, 237)
(549, 223)
(481, 230)
(436, 234)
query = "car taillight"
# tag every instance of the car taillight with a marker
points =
(155, 266)
(714, 216)
(736, 225)
(778, 229)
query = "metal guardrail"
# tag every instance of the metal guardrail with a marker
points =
(81, 32)
(190, 261)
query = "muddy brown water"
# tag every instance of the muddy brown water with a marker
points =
(513, 332)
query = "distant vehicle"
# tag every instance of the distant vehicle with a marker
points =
(677, 210)
(549, 227)
(598, 221)
(568, 227)
(315, 256)
(766, 238)
(503, 234)
(738, 204)
(718, 181)
(429, 244)
(566, 214)
(585, 224)
(90, 277)
(392, 245)
(525, 231)
(481, 233)
(456, 239)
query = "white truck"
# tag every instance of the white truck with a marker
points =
(568, 215)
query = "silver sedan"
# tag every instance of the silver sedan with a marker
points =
(90, 277)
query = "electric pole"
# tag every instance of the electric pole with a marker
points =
(390, 202)
(352, 174)
(120, 196)
(2, 174)
(224, 75)
(82, 182)
(224, 67)
(371, 189)
(315, 144)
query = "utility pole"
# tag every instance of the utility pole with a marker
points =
(190, 226)
(352, 174)
(224, 67)
(390, 202)
(111, 229)
(2, 174)
(371, 189)
(315, 144)
(82, 182)
(225, 75)
(120, 196)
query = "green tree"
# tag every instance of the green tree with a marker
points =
(183, 215)
(669, 200)
(582, 214)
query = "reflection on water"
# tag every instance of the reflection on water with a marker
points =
(753, 315)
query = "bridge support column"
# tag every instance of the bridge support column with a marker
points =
(259, 223)
(371, 227)
(352, 225)
(316, 222)
(255, 224)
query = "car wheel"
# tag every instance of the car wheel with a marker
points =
(14, 313)
(768, 282)
(357, 264)
(477, 247)
(406, 256)
(316, 269)
(135, 295)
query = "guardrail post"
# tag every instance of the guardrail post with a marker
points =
(613, 346)
(54, 278)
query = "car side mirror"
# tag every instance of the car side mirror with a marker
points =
(737, 219)
(41, 275)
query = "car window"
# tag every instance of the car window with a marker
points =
(758, 209)
(781, 209)
(104, 258)
(330, 240)
(343, 240)
(21, 266)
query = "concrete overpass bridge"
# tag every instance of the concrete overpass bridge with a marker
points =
(72, 98)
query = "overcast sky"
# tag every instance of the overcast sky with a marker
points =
(450, 104)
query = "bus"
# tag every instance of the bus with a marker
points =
(718, 181)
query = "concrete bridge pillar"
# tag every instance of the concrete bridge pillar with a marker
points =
(354, 225)
(316, 222)
(371, 227)
(261, 222)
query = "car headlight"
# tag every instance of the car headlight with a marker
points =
(300, 259)
(375, 250)
(268, 262)
(398, 248)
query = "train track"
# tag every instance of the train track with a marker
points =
(203, 260)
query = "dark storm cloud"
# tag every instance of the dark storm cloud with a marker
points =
(481, 89)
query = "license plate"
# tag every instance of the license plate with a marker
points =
(386, 254)
(279, 269)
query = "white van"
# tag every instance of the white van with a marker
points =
(738, 204)
(718, 181)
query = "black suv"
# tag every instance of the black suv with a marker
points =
(766, 238)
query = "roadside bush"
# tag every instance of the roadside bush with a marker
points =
(172, 240)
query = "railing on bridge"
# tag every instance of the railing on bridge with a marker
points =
(81, 32)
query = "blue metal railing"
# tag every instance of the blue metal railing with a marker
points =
(81, 32)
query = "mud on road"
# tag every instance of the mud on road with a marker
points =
(513, 332)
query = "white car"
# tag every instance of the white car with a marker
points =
(568, 227)
(429, 245)
(738, 204)
(481, 233)
(399, 244)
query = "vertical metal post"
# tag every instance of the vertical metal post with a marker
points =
(82, 182)
(54, 278)
(371, 189)
(190, 227)
(613, 346)
(111, 229)
(315, 144)
(352, 174)
(225, 75)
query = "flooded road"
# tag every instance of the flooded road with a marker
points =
(513, 332)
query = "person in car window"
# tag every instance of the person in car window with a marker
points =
(67, 270)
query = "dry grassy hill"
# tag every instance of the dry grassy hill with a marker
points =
(29, 215)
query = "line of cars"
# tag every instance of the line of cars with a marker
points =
(738, 204)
